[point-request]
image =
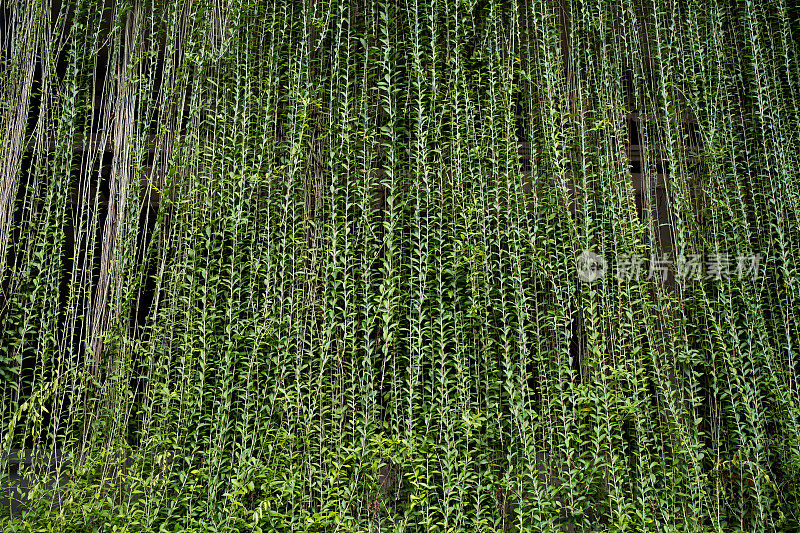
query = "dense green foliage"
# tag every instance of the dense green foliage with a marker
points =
(297, 265)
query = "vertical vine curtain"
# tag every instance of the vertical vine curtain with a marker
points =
(287, 265)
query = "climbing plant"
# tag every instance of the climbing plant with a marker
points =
(320, 265)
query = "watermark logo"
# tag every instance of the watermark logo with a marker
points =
(718, 266)
(590, 266)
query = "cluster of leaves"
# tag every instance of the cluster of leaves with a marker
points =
(290, 265)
